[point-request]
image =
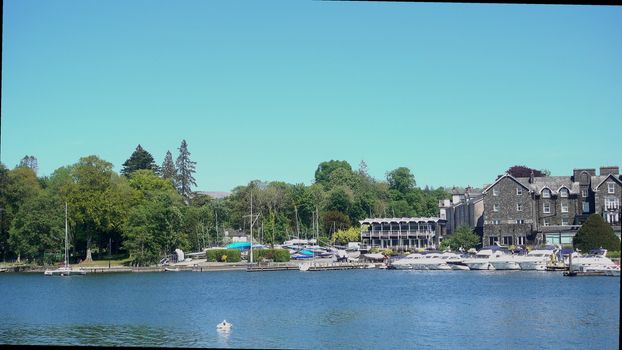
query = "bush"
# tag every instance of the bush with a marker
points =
(596, 233)
(276, 255)
(614, 255)
(223, 255)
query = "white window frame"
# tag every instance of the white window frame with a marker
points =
(519, 191)
(564, 207)
(611, 187)
(563, 192)
(583, 204)
(584, 193)
(495, 192)
(520, 221)
(520, 240)
(564, 222)
(546, 193)
(496, 222)
(495, 207)
(519, 206)
(546, 208)
(545, 222)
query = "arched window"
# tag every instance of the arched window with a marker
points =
(546, 193)
(563, 192)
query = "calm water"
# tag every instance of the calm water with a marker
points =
(360, 309)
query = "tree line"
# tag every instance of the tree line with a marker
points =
(148, 210)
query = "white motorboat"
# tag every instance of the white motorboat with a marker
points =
(454, 261)
(536, 259)
(481, 260)
(417, 261)
(593, 262)
(224, 326)
(505, 261)
(65, 270)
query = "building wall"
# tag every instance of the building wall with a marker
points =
(503, 222)
(602, 194)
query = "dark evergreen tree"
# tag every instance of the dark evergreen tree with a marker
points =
(185, 169)
(140, 159)
(596, 233)
(168, 170)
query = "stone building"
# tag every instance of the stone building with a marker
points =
(465, 207)
(550, 209)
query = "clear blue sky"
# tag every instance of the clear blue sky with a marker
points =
(269, 89)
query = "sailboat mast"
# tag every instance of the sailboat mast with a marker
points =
(251, 226)
(66, 237)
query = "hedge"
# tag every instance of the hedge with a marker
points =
(230, 255)
(276, 255)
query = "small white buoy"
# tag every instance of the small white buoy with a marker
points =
(224, 325)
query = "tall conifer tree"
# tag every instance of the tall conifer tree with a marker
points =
(140, 159)
(168, 170)
(185, 169)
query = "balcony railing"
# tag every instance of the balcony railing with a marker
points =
(396, 234)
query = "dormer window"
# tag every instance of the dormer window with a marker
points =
(495, 192)
(519, 191)
(563, 192)
(611, 187)
(546, 193)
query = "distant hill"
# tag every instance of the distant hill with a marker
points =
(215, 195)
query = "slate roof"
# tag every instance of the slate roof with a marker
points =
(598, 180)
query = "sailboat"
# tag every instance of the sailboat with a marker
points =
(65, 270)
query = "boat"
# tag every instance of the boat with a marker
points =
(418, 261)
(454, 261)
(65, 270)
(594, 261)
(537, 259)
(481, 260)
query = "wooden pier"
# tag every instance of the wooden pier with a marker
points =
(313, 266)
(271, 267)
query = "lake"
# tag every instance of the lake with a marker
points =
(356, 309)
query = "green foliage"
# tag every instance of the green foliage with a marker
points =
(613, 255)
(401, 180)
(140, 159)
(276, 255)
(596, 233)
(325, 169)
(38, 228)
(463, 237)
(342, 237)
(223, 255)
(185, 169)
(168, 170)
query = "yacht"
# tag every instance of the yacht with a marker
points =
(481, 260)
(454, 261)
(418, 261)
(594, 261)
(536, 259)
(65, 270)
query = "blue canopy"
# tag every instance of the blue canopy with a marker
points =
(239, 245)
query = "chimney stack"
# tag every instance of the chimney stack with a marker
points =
(606, 170)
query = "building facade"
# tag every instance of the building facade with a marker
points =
(402, 234)
(465, 207)
(550, 209)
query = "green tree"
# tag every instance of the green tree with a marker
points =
(140, 159)
(29, 162)
(463, 237)
(185, 169)
(401, 179)
(38, 227)
(596, 233)
(342, 237)
(168, 170)
(325, 169)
